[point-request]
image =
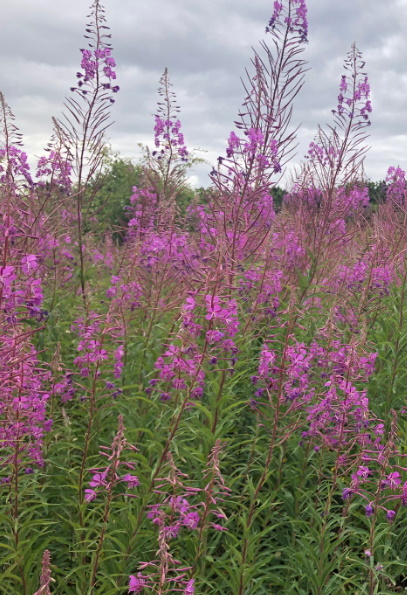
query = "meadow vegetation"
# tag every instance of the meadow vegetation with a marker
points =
(203, 392)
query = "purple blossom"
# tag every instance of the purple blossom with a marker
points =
(363, 472)
(29, 264)
(347, 493)
(137, 583)
(369, 510)
(98, 479)
(90, 495)
(131, 480)
(189, 588)
(191, 520)
(297, 23)
(393, 479)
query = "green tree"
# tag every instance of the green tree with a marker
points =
(377, 192)
(112, 191)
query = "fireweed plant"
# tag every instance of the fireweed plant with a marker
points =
(216, 403)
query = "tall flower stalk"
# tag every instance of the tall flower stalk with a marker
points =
(242, 204)
(87, 116)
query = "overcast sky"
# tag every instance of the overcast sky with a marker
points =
(206, 45)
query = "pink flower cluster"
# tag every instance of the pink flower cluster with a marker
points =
(90, 345)
(93, 62)
(124, 293)
(100, 365)
(23, 408)
(266, 156)
(105, 479)
(378, 480)
(297, 23)
(396, 191)
(181, 367)
(57, 168)
(323, 382)
(262, 288)
(356, 102)
(25, 383)
(174, 514)
(375, 277)
(97, 63)
(168, 135)
(142, 212)
(14, 167)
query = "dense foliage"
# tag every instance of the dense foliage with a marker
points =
(203, 392)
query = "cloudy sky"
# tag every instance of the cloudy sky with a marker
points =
(206, 45)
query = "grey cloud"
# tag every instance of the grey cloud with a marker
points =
(206, 46)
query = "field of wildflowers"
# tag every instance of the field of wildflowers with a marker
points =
(210, 399)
